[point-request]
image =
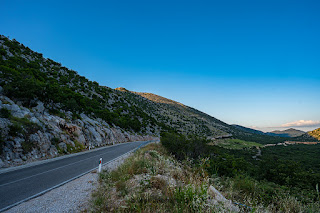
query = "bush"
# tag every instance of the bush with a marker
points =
(5, 113)
(27, 146)
(182, 147)
(15, 129)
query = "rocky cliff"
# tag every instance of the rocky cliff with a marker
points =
(31, 134)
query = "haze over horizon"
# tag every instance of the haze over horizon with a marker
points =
(250, 63)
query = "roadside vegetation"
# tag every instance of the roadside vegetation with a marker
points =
(153, 181)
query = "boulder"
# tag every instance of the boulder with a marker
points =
(218, 198)
(39, 108)
(94, 135)
(35, 120)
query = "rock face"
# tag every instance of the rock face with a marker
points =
(32, 134)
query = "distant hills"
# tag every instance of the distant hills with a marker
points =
(288, 132)
(284, 133)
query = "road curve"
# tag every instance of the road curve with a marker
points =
(22, 184)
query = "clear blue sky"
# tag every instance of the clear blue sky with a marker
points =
(254, 63)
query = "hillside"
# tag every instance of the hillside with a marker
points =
(185, 119)
(49, 110)
(288, 132)
(246, 129)
(315, 133)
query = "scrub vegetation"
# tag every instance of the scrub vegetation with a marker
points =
(153, 181)
(278, 182)
(236, 144)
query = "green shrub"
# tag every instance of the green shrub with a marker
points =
(27, 146)
(15, 129)
(191, 197)
(5, 113)
(55, 141)
(78, 146)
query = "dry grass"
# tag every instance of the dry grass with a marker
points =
(248, 191)
(152, 181)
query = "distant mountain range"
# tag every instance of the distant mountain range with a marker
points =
(288, 132)
(284, 133)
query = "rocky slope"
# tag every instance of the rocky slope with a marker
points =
(29, 134)
(315, 133)
(182, 118)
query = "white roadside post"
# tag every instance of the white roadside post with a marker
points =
(100, 163)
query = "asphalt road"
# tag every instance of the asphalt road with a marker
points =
(25, 183)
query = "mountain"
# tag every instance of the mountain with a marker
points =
(288, 132)
(47, 110)
(315, 133)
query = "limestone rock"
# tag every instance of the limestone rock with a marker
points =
(218, 198)
(55, 131)
(40, 107)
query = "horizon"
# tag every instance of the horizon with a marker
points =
(254, 64)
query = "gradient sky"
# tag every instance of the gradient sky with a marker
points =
(253, 63)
